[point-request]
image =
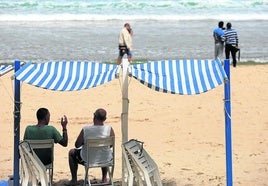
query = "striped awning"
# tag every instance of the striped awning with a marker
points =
(186, 77)
(5, 69)
(66, 76)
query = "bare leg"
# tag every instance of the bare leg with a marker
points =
(104, 171)
(129, 59)
(119, 61)
(73, 167)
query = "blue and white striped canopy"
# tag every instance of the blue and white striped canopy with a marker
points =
(185, 77)
(5, 69)
(66, 76)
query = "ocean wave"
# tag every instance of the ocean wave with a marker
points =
(136, 5)
(28, 10)
(156, 17)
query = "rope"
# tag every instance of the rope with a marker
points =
(7, 90)
(229, 116)
(225, 110)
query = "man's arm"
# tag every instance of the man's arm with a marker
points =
(64, 140)
(112, 132)
(127, 39)
(236, 39)
(80, 139)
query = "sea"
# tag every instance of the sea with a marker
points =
(88, 30)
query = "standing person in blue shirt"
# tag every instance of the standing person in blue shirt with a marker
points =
(219, 43)
(231, 43)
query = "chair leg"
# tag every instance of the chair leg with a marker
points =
(111, 182)
(52, 176)
(157, 178)
(86, 177)
(50, 172)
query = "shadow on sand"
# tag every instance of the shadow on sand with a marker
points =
(65, 182)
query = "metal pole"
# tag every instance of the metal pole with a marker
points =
(228, 131)
(16, 126)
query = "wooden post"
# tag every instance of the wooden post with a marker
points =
(124, 114)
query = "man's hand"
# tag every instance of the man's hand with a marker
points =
(64, 122)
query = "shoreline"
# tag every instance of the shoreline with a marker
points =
(137, 61)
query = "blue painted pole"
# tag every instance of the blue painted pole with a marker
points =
(228, 127)
(16, 126)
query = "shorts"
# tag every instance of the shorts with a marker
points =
(77, 156)
(124, 50)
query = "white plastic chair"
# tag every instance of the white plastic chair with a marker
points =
(128, 175)
(33, 171)
(45, 144)
(100, 143)
(144, 168)
(24, 172)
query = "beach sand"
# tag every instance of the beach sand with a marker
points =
(185, 135)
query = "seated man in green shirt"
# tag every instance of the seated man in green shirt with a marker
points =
(42, 130)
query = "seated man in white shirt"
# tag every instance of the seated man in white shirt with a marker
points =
(78, 155)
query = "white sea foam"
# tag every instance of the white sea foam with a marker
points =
(66, 10)
(95, 17)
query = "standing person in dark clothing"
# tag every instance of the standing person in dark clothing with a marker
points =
(231, 43)
(218, 34)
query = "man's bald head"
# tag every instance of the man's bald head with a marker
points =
(100, 114)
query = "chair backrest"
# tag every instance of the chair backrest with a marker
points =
(127, 169)
(32, 169)
(43, 148)
(100, 152)
(94, 144)
(143, 166)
